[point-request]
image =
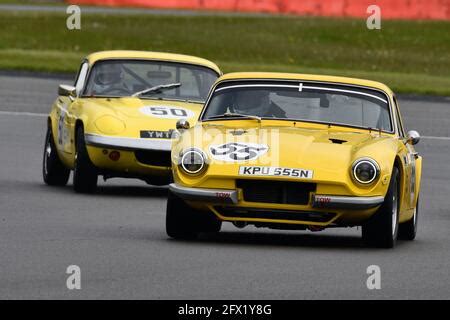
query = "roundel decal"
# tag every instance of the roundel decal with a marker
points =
(167, 112)
(237, 151)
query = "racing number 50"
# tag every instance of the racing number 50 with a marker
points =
(160, 111)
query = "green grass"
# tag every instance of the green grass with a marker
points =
(409, 56)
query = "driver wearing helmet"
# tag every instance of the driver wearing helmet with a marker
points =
(257, 103)
(108, 79)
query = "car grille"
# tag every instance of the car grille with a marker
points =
(282, 192)
(240, 212)
(154, 157)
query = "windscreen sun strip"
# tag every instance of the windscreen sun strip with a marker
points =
(300, 88)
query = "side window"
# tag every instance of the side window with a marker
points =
(399, 119)
(81, 79)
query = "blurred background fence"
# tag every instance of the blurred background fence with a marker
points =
(390, 9)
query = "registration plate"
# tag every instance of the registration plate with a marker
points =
(275, 171)
(151, 134)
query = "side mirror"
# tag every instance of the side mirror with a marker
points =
(182, 124)
(67, 91)
(413, 137)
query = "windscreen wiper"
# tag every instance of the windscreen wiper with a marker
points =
(236, 115)
(159, 88)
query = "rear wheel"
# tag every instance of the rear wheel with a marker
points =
(408, 229)
(183, 222)
(84, 174)
(382, 228)
(54, 172)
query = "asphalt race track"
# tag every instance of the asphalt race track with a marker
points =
(117, 237)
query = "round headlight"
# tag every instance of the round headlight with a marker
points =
(193, 161)
(365, 170)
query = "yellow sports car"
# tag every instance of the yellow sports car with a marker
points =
(118, 118)
(295, 151)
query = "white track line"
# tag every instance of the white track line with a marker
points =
(41, 115)
(434, 138)
(30, 114)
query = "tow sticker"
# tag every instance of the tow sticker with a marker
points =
(167, 112)
(237, 151)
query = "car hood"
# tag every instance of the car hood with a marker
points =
(327, 152)
(135, 115)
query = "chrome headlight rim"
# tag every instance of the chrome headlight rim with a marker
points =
(198, 151)
(369, 161)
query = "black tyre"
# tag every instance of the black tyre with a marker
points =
(182, 222)
(159, 181)
(85, 174)
(408, 229)
(53, 170)
(382, 228)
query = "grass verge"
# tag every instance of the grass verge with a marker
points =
(409, 56)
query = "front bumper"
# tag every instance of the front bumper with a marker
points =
(131, 144)
(138, 157)
(346, 202)
(318, 201)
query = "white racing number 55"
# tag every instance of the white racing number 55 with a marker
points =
(234, 151)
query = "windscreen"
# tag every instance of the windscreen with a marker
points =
(327, 103)
(121, 78)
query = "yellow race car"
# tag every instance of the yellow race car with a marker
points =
(118, 118)
(296, 151)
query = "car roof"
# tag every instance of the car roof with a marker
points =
(151, 55)
(305, 77)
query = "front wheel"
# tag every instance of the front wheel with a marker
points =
(183, 222)
(84, 174)
(382, 228)
(54, 172)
